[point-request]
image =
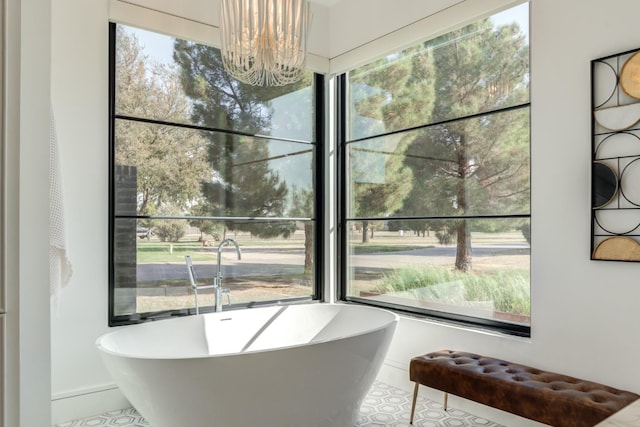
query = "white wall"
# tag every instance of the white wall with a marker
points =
(80, 384)
(584, 315)
(585, 311)
(25, 167)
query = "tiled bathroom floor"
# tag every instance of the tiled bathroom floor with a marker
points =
(385, 405)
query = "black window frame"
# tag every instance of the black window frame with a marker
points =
(520, 330)
(319, 199)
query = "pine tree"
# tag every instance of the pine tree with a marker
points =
(303, 206)
(481, 165)
(396, 94)
(243, 184)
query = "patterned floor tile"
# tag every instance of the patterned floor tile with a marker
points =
(123, 418)
(389, 406)
(384, 406)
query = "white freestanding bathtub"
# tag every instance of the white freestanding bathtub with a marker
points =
(305, 365)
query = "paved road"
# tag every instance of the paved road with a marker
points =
(273, 261)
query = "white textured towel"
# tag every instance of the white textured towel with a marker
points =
(59, 266)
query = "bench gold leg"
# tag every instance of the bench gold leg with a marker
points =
(446, 397)
(413, 404)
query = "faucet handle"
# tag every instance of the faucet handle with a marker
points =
(227, 292)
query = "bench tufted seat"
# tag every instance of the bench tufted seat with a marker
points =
(547, 397)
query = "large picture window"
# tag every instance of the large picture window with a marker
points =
(196, 158)
(436, 177)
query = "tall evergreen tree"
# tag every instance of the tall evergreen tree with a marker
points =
(397, 94)
(479, 165)
(243, 183)
(303, 206)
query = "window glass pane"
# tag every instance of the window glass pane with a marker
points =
(481, 67)
(411, 263)
(163, 78)
(437, 182)
(151, 272)
(477, 166)
(198, 157)
(165, 170)
(378, 178)
(158, 169)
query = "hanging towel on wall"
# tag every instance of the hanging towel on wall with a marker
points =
(59, 266)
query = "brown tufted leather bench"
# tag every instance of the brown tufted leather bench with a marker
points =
(549, 398)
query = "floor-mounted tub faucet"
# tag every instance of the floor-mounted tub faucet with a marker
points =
(217, 281)
(194, 281)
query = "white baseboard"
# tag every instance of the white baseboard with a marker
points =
(393, 374)
(83, 403)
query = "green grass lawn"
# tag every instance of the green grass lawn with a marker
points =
(156, 252)
(372, 248)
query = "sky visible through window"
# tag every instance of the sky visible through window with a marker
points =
(518, 14)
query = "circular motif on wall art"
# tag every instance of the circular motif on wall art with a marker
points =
(604, 184)
(630, 182)
(618, 248)
(619, 144)
(616, 221)
(630, 76)
(606, 84)
(618, 118)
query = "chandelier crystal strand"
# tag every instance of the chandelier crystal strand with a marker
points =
(264, 42)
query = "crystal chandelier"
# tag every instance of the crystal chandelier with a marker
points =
(264, 42)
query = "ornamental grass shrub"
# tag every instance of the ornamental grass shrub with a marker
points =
(507, 289)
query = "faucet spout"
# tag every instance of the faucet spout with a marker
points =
(217, 283)
(225, 242)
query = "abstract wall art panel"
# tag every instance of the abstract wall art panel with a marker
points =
(615, 163)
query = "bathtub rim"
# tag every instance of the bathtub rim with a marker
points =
(393, 322)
